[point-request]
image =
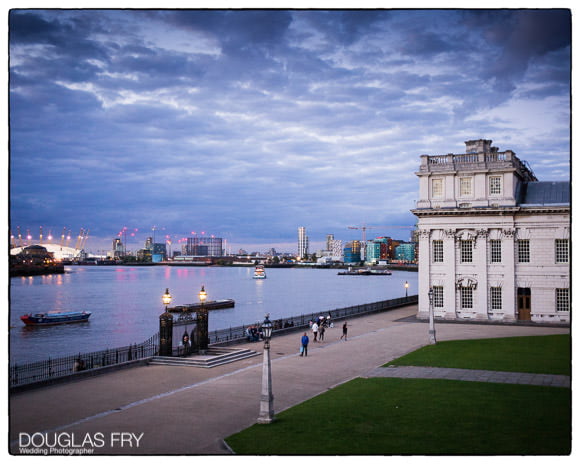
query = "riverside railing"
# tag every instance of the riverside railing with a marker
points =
(287, 324)
(43, 371)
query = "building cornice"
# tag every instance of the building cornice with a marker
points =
(484, 211)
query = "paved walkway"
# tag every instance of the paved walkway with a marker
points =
(471, 375)
(182, 410)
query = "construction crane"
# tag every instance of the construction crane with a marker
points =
(364, 228)
(364, 231)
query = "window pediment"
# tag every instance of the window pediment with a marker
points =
(466, 282)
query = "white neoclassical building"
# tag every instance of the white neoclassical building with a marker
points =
(493, 240)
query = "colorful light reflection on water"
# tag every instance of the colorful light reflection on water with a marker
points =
(126, 302)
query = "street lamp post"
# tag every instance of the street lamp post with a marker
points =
(266, 398)
(166, 327)
(406, 289)
(202, 323)
(432, 339)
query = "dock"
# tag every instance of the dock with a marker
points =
(214, 304)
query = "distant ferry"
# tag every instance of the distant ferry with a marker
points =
(259, 272)
(55, 317)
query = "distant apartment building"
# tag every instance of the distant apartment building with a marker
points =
(302, 243)
(393, 244)
(117, 251)
(352, 252)
(336, 250)
(494, 242)
(405, 252)
(329, 240)
(377, 249)
(204, 246)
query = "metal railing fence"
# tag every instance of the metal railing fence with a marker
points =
(288, 324)
(41, 371)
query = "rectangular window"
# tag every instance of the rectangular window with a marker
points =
(495, 298)
(466, 251)
(437, 188)
(495, 251)
(465, 186)
(437, 297)
(562, 299)
(466, 297)
(495, 185)
(437, 251)
(562, 250)
(523, 251)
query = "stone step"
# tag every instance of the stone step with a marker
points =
(213, 357)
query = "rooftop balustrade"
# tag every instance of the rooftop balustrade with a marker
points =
(476, 161)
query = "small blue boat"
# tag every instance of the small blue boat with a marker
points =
(55, 317)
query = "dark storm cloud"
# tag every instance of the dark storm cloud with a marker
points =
(346, 27)
(521, 36)
(64, 39)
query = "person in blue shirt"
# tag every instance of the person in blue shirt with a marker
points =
(304, 349)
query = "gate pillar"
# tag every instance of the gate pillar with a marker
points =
(202, 337)
(166, 334)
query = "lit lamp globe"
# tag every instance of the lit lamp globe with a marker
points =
(166, 298)
(202, 295)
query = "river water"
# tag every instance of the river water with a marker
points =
(126, 303)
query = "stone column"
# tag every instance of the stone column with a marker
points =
(449, 259)
(508, 293)
(424, 273)
(480, 259)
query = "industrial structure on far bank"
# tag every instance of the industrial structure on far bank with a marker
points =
(494, 242)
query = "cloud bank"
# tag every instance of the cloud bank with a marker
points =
(247, 124)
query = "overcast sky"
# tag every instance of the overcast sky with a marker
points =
(249, 124)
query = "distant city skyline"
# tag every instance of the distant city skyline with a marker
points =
(137, 239)
(248, 124)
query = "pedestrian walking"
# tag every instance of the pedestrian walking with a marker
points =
(344, 331)
(315, 330)
(321, 330)
(304, 345)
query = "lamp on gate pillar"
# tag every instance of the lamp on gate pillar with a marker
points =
(266, 398)
(202, 323)
(406, 289)
(202, 295)
(166, 327)
(432, 339)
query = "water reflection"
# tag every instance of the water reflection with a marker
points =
(126, 301)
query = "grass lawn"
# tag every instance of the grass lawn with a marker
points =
(549, 354)
(383, 416)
